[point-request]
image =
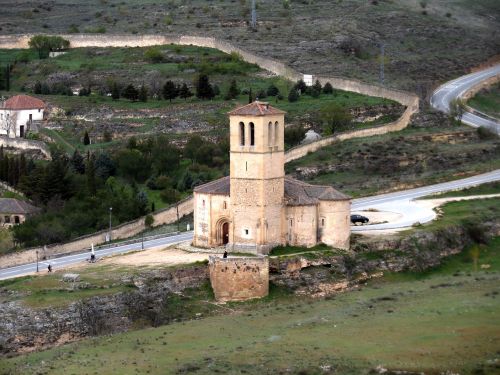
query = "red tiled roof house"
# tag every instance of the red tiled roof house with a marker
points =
(19, 114)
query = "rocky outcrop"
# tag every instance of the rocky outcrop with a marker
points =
(24, 329)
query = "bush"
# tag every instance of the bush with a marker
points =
(328, 89)
(153, 55)
(149, 221)
(293, 96)
(170, 195)
(272, 90)
(485, 133)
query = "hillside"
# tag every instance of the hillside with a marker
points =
(426, 42)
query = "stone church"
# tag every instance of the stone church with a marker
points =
(257, 207)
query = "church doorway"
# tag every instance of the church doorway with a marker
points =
(225, 233)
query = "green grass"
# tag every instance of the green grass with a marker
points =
(289, 250)
(443, 320)
(487, 101)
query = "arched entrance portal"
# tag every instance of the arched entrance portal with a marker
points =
(222, 232)
(225, 233)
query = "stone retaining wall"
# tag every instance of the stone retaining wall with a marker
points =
(239, 278)
(25, 144)
(165, 216)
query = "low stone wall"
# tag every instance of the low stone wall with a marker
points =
(165, 216)
(25, 144)
(239, 278)
(481, 85)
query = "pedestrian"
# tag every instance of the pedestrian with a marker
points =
(92, 258)
(225, 255)
(49, 268)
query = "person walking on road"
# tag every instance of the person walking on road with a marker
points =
(49, 268)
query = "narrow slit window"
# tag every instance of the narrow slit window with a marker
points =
(242, 134)
(252, 134)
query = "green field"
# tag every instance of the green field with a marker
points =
(443, 320)
(487, 101)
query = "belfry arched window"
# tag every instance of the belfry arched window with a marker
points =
(270, 140)
(242, 134)
(252, 134)
(276, 133)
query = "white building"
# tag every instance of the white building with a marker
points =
(18, 115)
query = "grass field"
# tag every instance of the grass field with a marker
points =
(487, 101)
(442, 320)
(396, 161)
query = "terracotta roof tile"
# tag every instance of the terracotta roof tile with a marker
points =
(297, 193)
(18, 102)
(256, 109)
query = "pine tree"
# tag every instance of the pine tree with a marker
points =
(37, 89)
(143, 94)
(327, 89)
(169, 91)
(250, 96)
(317, 86)
(300, 86)
(272, 90)
(184, 92)
(77, 162)
(115, 92)
(131, 93)
(233, 91)
(204, 89)
(90, 172)
(293, 96)
(86, 138)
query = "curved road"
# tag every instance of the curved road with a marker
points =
(402, 201)
(442, 97)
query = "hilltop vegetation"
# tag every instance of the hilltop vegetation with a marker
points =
(420, 37)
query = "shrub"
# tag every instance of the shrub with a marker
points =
(485, 133)
(154, 55)
(272, 90)
(149, 221)
(170, 195)
(328, 89)
(293, 96)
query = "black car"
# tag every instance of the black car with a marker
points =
(359, 219)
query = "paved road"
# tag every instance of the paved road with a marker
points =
(454, 89)
(58, 263)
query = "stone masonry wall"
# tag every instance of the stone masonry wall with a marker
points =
(25, 144)
(165, 216)
(239, 279)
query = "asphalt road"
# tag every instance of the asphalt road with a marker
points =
(454, 89)
(61, 262)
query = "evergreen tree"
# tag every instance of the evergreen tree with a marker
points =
(272, 90)
(300, 86)
(153, 208)
(293, 96)
(204, 89)
(317, 86)
(184, 92)
(131, 93)
(77, 162)
(143, 94)
(37, 89)
(233, 91)
(90, 172)
(169, 91)
(250, 96)
(327, 89)
(86, 138)
(115, 92)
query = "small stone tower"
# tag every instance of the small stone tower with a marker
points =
(257, 177)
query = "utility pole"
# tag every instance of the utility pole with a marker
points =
(110, 212)
(178, 223)
(253, 22)
(382, 58)
(142, 247)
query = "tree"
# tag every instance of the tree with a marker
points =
(184, 92)
(43, 44)
(300, 86)
(250, 96)
(457, 109)
(192, 146)
(115, 91)
(335, 117)
(90, 172)
(204, 89)
(317, 86)
(37, 89)
(143, 94)
(328, 89)
(149, 220)
(154, 55)
(86, 138)
(233, 91)
(272, 90)
(293, 95)
(170, 195)
(131, 93)
(77, 162)
(169, 91)
(9, 123)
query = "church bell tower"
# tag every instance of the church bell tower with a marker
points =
(257, 177)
